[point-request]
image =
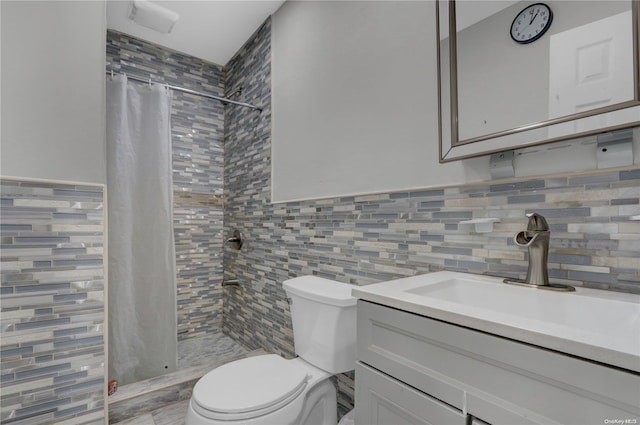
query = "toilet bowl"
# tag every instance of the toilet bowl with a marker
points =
(264, 390)
(270, 390)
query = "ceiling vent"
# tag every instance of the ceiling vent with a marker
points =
(153, 16)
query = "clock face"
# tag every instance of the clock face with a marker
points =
(531, 23)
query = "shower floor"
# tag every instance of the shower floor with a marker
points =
(163, 400)
(211, 348)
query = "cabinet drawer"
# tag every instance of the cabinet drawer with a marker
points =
(493, 378)
(381, 400)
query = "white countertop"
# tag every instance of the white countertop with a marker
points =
(598, 325)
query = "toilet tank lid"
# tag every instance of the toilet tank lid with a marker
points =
(322, 290)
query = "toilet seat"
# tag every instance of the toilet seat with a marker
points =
(248, 388)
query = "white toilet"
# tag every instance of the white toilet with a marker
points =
(269, 390)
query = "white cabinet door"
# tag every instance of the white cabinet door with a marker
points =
(381, 400)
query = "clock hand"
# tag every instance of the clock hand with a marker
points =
(533, 19)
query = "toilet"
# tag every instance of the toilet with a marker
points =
(271, 390)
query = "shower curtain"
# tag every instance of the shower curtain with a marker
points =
(142, 283)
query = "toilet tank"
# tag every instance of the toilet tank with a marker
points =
(323, 314)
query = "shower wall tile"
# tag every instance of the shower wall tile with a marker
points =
(372, 238)
(52, 349)
(197, 126)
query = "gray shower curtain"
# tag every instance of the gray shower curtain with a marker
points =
(142, 283)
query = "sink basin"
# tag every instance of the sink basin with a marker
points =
(465, 291)
(599, 325)
(580, 311)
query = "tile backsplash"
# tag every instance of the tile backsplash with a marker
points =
(53, 314)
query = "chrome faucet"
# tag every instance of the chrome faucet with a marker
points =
(536, 239)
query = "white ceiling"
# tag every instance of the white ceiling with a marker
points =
(212, 30)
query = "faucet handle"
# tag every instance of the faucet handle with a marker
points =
(537, 223)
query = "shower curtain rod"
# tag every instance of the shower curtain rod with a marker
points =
(182, 89)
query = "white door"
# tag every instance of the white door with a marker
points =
(591, 66)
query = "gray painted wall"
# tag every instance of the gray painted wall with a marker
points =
(355, 105)
(53, 105)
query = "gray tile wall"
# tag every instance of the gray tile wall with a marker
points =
(197, 126)
(366, 239)
(52, 285)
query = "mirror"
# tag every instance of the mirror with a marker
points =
(514, 74)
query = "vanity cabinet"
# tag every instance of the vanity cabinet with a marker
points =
(412, 369)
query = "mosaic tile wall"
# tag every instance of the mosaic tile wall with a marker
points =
(52, 286)
(197, 132)
(366, 239)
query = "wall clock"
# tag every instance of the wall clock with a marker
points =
(531, 23)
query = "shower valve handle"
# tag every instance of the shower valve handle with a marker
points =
(237, 240)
